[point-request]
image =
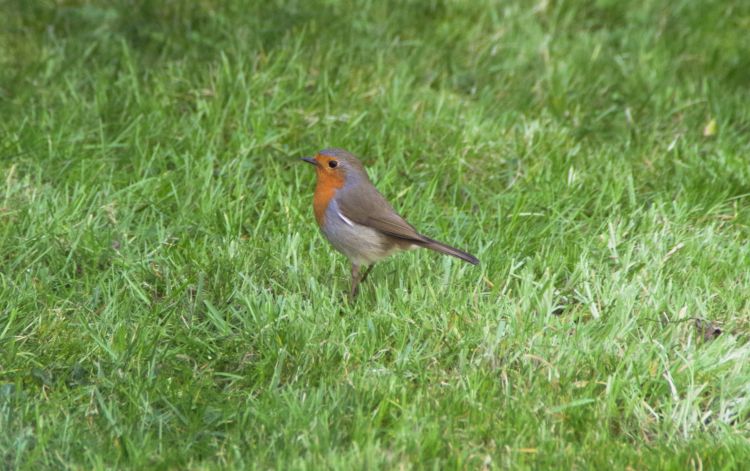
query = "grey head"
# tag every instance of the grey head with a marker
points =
(336, 163)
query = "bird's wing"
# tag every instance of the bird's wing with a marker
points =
(371, 209)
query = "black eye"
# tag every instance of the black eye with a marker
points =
(332, 163)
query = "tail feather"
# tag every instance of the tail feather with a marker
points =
(448, 250)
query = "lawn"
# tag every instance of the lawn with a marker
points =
(167, 301)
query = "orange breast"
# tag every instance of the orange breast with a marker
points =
(325, 189)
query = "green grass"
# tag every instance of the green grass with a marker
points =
(166, 301)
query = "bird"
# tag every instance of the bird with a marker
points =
(358, 221)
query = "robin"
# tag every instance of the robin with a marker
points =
(357, 220)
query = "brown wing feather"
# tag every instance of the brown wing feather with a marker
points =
(371, 209)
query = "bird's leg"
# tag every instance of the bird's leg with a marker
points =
(367, 272)
(355, 281)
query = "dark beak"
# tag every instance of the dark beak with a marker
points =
(310, 160)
